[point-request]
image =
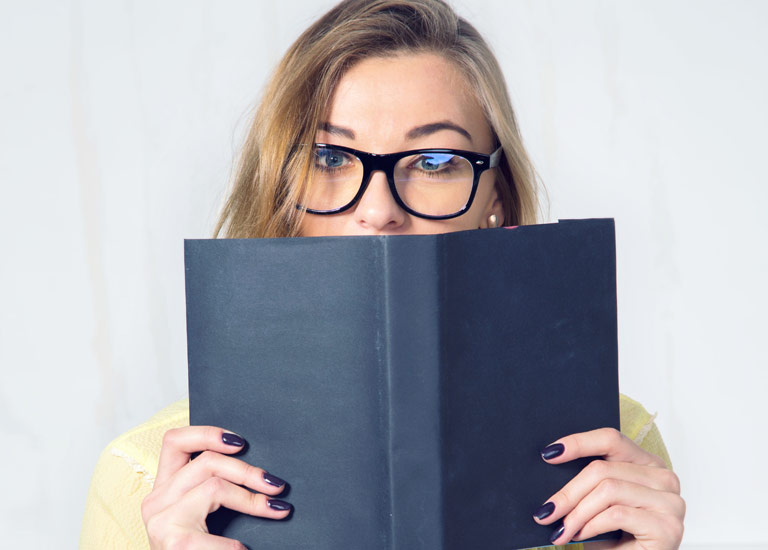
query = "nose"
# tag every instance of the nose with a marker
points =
(377, 209)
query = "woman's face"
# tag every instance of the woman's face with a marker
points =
(375, 106)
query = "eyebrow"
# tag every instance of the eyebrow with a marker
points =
(337, 130)
(413, 133)
(428, 129)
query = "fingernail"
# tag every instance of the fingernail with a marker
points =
(232, 439)
(272, 480)
(545, 510)
(279, 505)
(552, 451)
(556, 534)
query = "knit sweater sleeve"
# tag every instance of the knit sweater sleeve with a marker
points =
(640, 426)
(124, 475)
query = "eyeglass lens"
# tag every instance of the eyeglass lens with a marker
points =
(435, 184)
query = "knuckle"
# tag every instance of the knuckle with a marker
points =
(671, 481)
(679, 506)
(213, 486)
(177, 541)
(154, 528)
(675, 481)
(617, 514)
(205, 460)
(674, 529)
(171, 437)
(597, 469)
(607, 487)
(658, 462)
(613, 436)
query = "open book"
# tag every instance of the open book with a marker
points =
(405, 385)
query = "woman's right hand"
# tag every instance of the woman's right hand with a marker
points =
(186, 491)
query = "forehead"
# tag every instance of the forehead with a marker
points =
(381, 98)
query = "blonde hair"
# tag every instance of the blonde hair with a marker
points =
(271, 174)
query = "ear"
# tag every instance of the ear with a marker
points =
(494, 207)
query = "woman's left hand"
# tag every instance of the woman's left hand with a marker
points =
(631, 490)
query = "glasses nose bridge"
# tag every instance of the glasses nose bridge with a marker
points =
(373, 162)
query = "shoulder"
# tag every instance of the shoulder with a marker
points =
(124, 475)
(140, 446)
(640, 426)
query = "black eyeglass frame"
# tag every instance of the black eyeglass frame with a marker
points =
(373, 162)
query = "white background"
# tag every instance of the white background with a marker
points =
(118, 125)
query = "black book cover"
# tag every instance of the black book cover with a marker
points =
(404, 385)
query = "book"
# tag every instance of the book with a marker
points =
(404, 386)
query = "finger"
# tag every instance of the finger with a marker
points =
(204, 541)
(180, 443)
(193, 540)
(608, 443)
(612, 492)
(215, 492)
(597, 472)
(644, 525)
(211, 464)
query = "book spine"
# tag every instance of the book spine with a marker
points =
(412, 314)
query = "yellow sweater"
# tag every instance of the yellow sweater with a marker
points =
(126, 472)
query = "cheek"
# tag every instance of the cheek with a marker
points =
(344, 224)
(486, 193)
(468, 221)
(474, 218)
(321, 226)
(431, 227)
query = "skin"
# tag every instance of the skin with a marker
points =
(376, 104)
(380, 100)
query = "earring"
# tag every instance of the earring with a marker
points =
(493, 221)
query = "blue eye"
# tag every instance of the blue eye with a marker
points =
(330, 158)
(434, 162)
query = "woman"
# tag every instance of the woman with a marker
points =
(376, 77)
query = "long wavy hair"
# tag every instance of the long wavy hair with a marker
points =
(272, 175)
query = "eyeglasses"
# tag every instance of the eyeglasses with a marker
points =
(435, 184)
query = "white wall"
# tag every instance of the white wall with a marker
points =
(118, 123)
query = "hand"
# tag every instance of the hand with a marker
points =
(631, 490)
(186, 491)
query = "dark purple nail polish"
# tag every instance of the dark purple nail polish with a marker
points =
(232, 439)
(552, 451)
(279, 505)
(272, 480)
(545, 510)
(556, 534)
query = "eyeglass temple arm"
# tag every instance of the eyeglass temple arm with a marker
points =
(493, 162)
